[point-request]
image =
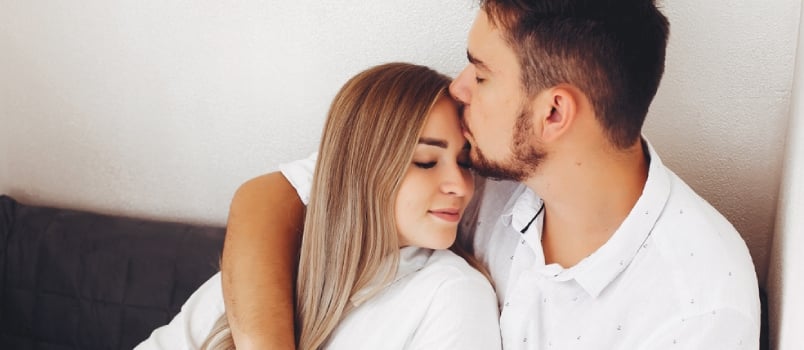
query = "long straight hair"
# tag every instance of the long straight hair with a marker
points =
(350, 241)
(350, 235)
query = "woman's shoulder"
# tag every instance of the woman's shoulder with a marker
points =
(447, 267)
(431, 274)
(462, 309)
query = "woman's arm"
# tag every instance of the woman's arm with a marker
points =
(260, 256)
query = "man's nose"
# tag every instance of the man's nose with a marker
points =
(459, 88)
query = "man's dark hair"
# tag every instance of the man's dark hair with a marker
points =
(613, 50)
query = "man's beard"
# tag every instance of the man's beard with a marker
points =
(525, 158)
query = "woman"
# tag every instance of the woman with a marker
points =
(390, 185)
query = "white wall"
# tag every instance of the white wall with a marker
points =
(785, 282)
(161, 108)
(720, 116)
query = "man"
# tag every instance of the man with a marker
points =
(599, 245)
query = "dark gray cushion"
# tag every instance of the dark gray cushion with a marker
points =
(78, 280)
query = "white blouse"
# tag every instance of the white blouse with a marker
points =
(436, 301)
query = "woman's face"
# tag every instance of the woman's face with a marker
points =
(438, 184)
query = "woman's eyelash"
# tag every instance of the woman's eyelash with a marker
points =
(424, 165)
(428, 165)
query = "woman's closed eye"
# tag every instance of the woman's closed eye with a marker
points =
(424, 165)
(466, 164)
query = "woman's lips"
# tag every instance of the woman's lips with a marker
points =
(449, 215)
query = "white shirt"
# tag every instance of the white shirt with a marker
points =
(675, 274)
(436, 301)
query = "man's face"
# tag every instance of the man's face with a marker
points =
(496, 115)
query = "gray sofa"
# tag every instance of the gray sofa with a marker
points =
(79, 280)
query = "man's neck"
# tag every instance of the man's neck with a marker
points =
(587, 197)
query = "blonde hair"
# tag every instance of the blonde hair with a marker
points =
(350, 238)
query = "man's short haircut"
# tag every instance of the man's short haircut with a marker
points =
(613, 50)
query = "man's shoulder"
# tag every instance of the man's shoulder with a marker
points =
(703, 247)
(690, 220)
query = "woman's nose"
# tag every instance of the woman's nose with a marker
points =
(457, 181)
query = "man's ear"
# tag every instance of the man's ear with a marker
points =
(559, 110)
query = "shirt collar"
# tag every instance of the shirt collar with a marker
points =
(521, 209)
(598, 270)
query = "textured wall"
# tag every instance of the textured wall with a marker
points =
(785, 282)
(161, 109)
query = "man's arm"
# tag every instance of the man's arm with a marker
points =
(260, 256)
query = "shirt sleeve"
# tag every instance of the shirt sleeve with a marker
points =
(193, 324)
(723, 328)
(300, 174)
(463, 315)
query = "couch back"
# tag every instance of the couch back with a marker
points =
(78, 280)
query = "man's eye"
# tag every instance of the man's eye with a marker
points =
(479, 79)
(424, 165)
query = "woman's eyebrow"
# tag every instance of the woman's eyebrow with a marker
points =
(433, 142)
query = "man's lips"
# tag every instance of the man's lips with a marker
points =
(446, 214)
